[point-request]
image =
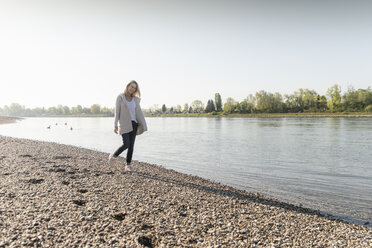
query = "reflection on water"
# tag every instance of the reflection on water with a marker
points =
(323, 163)
(335, 123)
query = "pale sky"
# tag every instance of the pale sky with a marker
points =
(84, 52)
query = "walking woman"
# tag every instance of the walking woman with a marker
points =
(131, 121)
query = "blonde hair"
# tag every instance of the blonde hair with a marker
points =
(137, 93)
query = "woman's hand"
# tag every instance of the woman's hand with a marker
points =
(116, 130)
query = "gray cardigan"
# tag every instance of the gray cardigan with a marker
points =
(123, 117)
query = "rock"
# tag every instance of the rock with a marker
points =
(36, 181)
(145, 227)
(145, 241)
(79, 202)
(119, 216)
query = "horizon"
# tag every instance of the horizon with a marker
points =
(84, 52)
(182, 105)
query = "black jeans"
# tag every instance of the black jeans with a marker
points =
(128, 142)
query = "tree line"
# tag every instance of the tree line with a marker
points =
(301, 101)
(16, 109)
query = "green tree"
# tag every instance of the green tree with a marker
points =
(107, 112)
(278, 105)
(29, 112)
(357, 100)
(197, 106)
(265, 102)
(74, 111)
(163, 108)
(334, 98)
(52, 110)
(39, 111)
(251, 102)
(321, 103)
(291, 103)
(351, 102)
(95, 109)
(178, 109)
(210, 106)
(244, 107)
(155, 109)
(366, 96)
(303, 100)
(186, 108)
(218, 102)
(79, 109)
(66, 110)
(368, 108)
(86, 110)
(16, 109)
(59, 110)
(299, 98)
(309, 99)
(230, 106)
(6, 110)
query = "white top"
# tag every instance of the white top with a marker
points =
(132, 109)
(122, 117)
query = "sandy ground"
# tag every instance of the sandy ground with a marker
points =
(55, 195)
(6, 119)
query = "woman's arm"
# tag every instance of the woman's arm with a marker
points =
(117, 114)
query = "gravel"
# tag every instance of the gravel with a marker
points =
(54, 195)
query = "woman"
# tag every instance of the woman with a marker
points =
(131, 121)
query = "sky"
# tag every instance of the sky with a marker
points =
(72, 52)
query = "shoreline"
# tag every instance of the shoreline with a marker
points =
(60, 189)
(7, 119)
(276, 115)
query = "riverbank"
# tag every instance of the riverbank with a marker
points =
(216, 115)
(7, 119)
(63, 196)
(264, 115)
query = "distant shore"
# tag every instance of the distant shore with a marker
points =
(56, 195)
(5, 119)
(264, 115)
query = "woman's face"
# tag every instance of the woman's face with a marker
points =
(132, 88)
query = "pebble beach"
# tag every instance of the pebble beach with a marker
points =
(54, 195)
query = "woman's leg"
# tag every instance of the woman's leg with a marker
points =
(132, 138)
(126, 142)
